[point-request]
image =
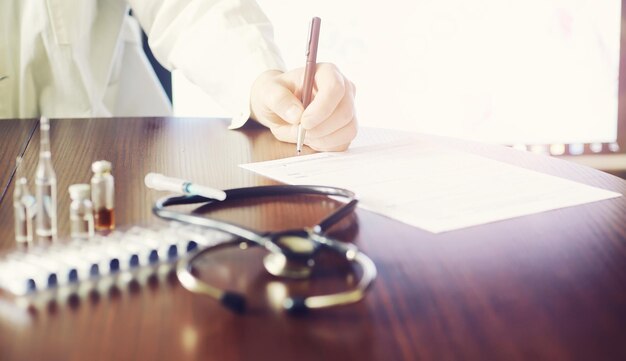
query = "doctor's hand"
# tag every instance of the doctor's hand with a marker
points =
(330, 119)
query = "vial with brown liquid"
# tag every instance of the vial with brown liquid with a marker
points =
(103, 196)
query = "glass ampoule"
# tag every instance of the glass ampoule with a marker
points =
(81, 212)
(23, 208)
(46, 188)
(103, 195)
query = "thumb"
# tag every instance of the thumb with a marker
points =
(284, 103)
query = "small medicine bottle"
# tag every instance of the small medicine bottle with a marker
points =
(81, 212)
(45, 188)
(103, 195)
(24, 207)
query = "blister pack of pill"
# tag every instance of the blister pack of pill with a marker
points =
(43, 273)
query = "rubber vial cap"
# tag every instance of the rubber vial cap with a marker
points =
(79, 191)
(101, 166)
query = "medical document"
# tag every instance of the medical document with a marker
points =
(430, 187)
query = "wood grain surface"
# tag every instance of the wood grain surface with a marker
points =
(546, 286)
(14, 136)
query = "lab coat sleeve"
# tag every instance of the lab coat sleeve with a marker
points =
(220, 45)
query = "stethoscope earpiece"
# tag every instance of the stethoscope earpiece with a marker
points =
(234, 302)
(295, 306)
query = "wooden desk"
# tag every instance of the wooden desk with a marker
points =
(14, 136)
(546, 286)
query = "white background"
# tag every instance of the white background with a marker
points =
(506, 71)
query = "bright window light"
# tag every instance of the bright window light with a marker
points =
(526, 71)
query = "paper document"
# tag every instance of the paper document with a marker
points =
(430, 187)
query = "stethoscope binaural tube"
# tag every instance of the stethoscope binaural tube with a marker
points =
(273, 242)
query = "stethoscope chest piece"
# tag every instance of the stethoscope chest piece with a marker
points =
(295, 257)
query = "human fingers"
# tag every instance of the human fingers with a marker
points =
(285, 132)
(331, 89)
(281, 103)
(341, 116)
(336, 141)
(272, 99)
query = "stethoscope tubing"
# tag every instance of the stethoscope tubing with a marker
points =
(160, 209)
(236, 301)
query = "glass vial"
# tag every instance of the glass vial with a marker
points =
(103, 195)
(23, 208)
(81, 212)
(46, 188)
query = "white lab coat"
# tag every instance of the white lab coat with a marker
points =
(83, 58)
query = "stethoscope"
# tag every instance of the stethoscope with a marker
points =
(291, 254)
